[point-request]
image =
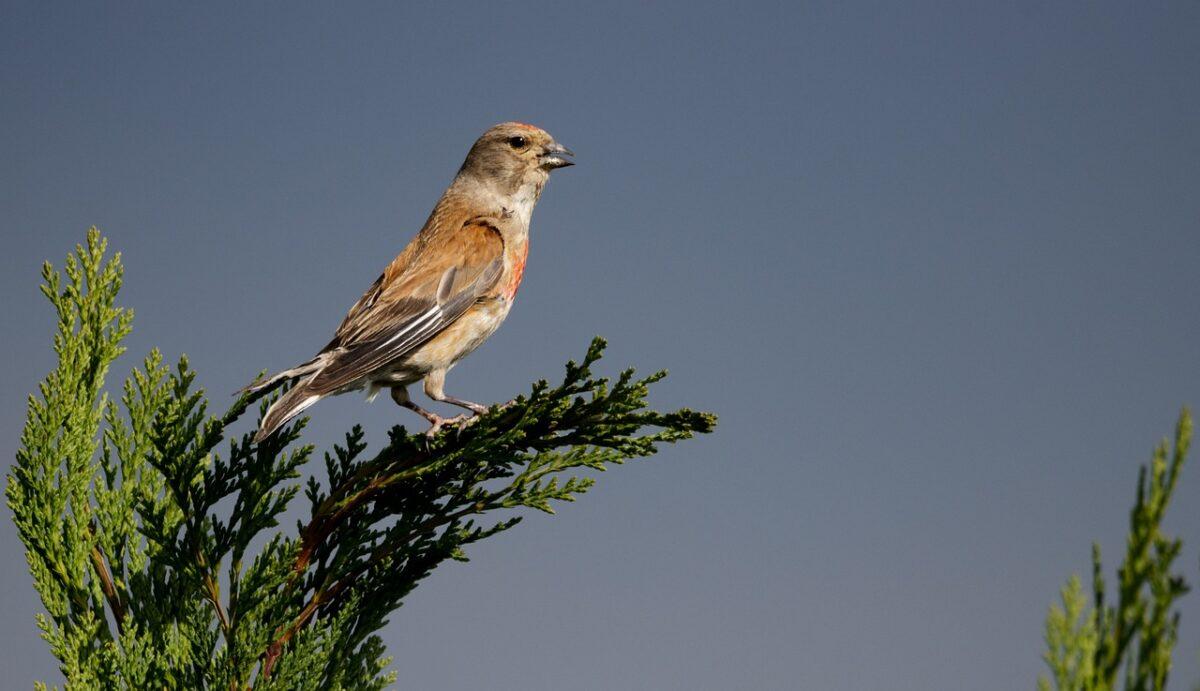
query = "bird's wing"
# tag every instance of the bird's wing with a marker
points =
(413, 302)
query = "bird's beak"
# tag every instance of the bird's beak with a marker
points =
(553, 156)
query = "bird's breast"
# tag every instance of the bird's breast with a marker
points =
(516, 271)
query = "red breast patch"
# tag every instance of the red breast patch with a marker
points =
(518, 272)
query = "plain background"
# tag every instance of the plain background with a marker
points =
(932, 263)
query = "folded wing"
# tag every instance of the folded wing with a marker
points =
(429, 286)
(400, 314)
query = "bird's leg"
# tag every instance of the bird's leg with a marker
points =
(434, 381)
(473, 407)
(436, 422)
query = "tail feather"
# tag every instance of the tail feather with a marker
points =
(291, 404)
(288, 374)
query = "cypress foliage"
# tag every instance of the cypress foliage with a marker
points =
(1088, 647)
(141, 532)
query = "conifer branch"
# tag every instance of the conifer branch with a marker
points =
(131, 505)
(597, 424)
(1088, 648)
(99, 563)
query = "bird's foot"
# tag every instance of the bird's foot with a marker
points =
(440, 422)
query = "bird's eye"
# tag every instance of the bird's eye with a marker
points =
(517, 142)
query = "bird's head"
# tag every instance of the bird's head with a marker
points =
(512, 155)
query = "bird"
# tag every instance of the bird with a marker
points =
(448, 290)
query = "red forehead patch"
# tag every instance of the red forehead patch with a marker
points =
(527, 126)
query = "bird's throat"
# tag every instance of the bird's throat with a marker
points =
(513, 198)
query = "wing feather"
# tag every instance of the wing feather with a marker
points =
(395, 317)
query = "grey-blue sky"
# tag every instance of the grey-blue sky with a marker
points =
(933, 265)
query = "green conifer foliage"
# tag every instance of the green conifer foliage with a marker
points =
(1088, 647)
(152, 528)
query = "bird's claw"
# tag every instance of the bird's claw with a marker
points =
(441, 422)
(462, 421)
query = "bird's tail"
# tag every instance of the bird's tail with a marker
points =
(274, 380)
(291, 404)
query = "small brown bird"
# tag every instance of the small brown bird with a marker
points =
(444, 294)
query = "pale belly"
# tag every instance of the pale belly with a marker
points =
(459, 339)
